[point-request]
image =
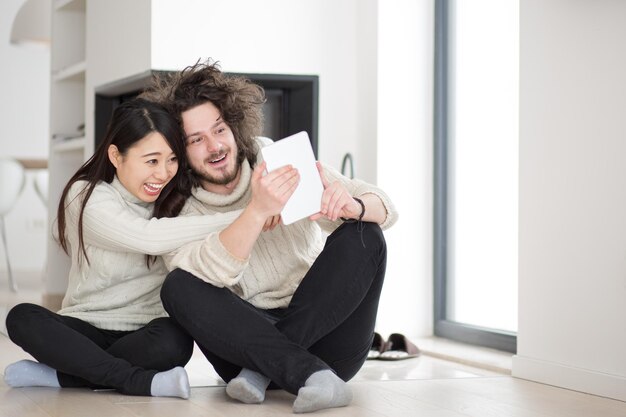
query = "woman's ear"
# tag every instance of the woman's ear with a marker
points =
(114, 156)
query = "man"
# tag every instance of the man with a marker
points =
(267, 302)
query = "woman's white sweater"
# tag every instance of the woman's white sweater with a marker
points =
(116, 290)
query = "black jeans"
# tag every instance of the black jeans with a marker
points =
(86, 356)
(329, 323)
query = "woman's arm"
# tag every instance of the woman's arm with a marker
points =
(111, 223)
(221, 258)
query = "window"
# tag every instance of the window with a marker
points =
(476, 154)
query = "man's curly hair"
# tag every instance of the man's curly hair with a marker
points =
(238, 100)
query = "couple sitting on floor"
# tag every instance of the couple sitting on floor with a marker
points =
(178, 185)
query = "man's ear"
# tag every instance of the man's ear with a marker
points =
(114, 156)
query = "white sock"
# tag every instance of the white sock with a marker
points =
(248, 387)
(27, 373)
(172, 383)
(322, 390)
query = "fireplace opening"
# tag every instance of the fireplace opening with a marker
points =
(291, 105)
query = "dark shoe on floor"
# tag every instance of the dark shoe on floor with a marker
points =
(378, 345)
(398, 347)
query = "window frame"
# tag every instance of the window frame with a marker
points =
(443, 327)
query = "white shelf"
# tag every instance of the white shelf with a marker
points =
(72, 72)
(69, 145)
(78, 5)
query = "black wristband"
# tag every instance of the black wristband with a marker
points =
(358, 200)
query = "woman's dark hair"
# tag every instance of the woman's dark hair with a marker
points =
(131, 122)
(238, 99)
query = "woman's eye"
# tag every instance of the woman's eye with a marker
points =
(152, 162)
(174, 159)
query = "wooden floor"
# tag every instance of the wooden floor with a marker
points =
(426, 387)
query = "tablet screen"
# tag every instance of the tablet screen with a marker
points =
(297, 151)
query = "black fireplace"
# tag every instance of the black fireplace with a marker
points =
(291, 106)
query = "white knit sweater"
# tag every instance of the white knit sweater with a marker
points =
(116, 290)
(280, 258)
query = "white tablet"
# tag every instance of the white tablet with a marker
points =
(296, 150)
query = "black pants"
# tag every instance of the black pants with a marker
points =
(86, 356)
(329, 323)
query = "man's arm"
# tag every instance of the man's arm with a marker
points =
(338, 200)
(375, 210)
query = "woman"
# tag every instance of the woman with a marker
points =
(112, 330)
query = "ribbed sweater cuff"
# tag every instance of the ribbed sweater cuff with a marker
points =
(392, 216)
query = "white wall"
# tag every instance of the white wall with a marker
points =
(405, 161)
(24, 88)
(317, 37)
(25, 82)
(572, 276)
(114, 54)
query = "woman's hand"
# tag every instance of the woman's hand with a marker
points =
(272, 222)
(336, 201)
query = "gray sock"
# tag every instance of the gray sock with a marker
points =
(27, 373)
(322, 390)
(172, 383)
(248, 387)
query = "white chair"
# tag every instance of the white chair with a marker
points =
(12, 179)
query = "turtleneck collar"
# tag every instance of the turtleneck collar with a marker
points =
(127, 195)
(241, 190)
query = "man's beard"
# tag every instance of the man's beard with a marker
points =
(224, 179)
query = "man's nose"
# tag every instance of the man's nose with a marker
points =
(213, 146)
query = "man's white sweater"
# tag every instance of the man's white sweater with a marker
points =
(280, 258)
(116, 290)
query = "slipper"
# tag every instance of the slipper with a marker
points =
(377, 347)
(398, 347)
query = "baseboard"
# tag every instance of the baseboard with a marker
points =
(463, 353)
(577, 379)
